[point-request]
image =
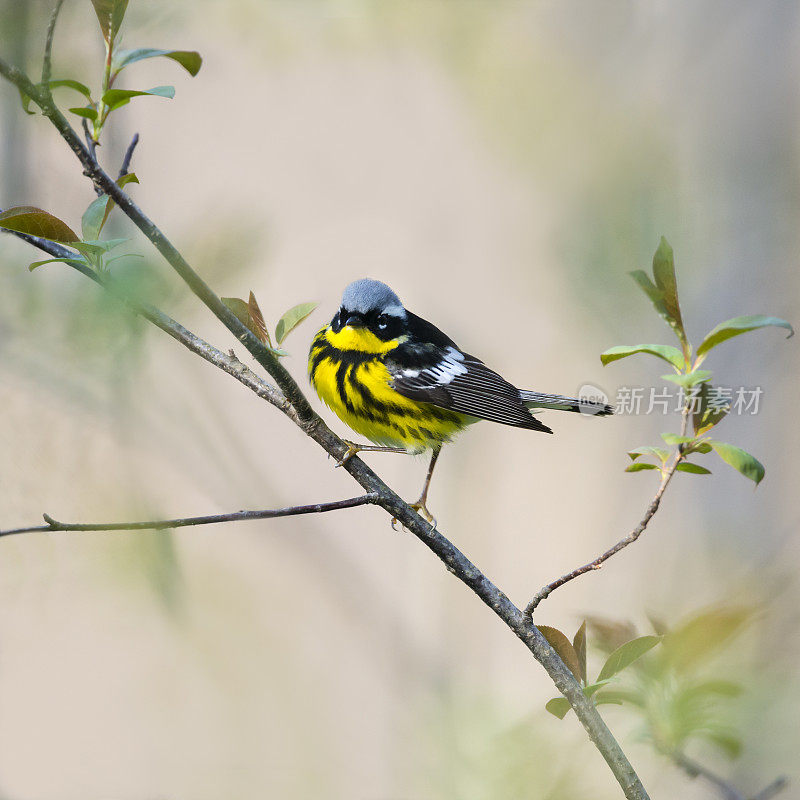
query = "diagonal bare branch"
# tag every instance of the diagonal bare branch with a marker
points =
(54, 525)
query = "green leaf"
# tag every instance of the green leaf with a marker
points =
(107, 245)
(672, 439)
(735, 327)
(579, 645)
(563, 646)
(76, 85)
(122, 181)
(691, 379)
(89, 249)
(664, 274)
(711, 408)
(669, 353)
(640, 466)
(619, 697)
(626, 654)
(73, 262)
(190, 60)
(651, 290)
(695, 469)
(659, 452)
(700, 447)
(291, 319)
(558, 707)
(87, 111)
(663, 293)
(740, 459)
(110, 14)
(94, 217)
(114, 98)
(239, 308)
(607, 698)
(593, 687)
(97, 247)
(243, 313)
(124, 255)
(656, 298)
(36, 222)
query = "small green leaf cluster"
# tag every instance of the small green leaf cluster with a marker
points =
(249, 314)
(573, 654)
(92, 252)
(706, 405)
(677, 692)
(110, 14)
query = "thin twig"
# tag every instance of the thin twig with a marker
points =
(47, 63)
(726, 789)
(774, 789)
(91, 145)
(126, 162)
(694, 769)
(54, 525)
(296, 407)
(666, 477)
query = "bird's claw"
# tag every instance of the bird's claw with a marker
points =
(352, 449)
(422, 510)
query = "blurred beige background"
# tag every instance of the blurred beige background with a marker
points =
(503, 166)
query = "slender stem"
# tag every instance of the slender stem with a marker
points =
(297, 408)
(184, 522)
(91, 144)
(774, 789)
(126, 162)
(727, 790)
(597, 563)
(102, 108)
(47, 63)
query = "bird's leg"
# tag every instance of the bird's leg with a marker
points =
(420, 506)
(353, 448)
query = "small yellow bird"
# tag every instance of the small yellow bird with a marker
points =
(406, 386)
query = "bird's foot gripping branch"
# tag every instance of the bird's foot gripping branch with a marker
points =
(90, 255)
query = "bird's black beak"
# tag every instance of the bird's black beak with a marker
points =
(354, 321)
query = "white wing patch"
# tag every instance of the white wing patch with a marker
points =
(449, 368)
(459, 382)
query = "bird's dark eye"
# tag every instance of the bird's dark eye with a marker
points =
(383, 322)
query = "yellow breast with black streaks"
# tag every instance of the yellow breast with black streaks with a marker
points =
(348, 372)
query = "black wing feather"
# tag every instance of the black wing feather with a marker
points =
(475, 389)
